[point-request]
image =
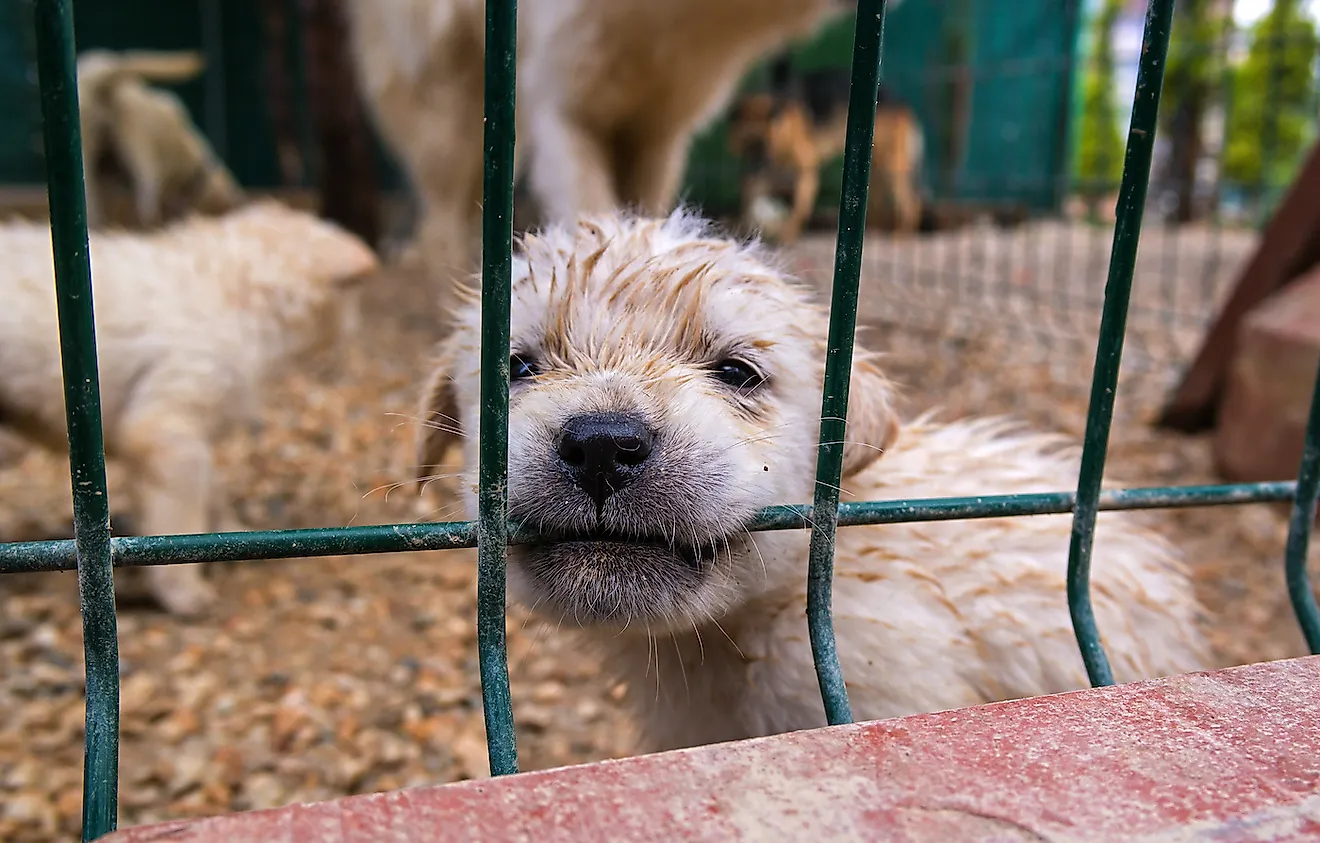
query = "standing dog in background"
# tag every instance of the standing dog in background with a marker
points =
(609, 97)
(149, 135)
(787, 135)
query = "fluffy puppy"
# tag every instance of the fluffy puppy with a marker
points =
(609, 97)
(190, 320)
(148, 134)
(665, 386)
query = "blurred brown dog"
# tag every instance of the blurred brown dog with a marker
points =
(787, 135)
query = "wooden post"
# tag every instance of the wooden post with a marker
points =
(1289, 247)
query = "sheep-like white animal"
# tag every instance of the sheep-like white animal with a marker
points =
(190, 320)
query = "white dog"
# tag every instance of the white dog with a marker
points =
(189, 322)
(666, 386)
(610, 95)
(150, 134)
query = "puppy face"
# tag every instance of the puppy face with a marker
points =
(664, 386)
(750, 122)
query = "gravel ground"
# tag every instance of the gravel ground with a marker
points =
(316, 678)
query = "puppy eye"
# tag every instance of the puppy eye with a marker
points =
(522, 368)
(738, 374)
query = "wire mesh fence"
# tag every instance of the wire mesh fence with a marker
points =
(1042, 284)
(95, 553)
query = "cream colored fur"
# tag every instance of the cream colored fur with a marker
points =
(630, 316)
(189, 322)
(609, 97)
(151, 134)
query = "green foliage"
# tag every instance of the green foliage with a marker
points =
(1194, 66)
(1099, 164)
(1191, 78)
(1271, 111)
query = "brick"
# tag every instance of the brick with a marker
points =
(1231, 755)
(1262, 417)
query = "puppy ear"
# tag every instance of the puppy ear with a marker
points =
(438, 425)
(872, 421)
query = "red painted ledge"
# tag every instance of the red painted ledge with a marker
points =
(1232, 755)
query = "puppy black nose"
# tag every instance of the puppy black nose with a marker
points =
(603, 452)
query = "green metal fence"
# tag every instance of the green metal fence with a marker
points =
(94, 554)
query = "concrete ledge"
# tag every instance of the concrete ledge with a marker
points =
(1232, 755)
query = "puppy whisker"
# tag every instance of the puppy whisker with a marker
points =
(425, 480)
(838, 489)
(713, 621)
(682, 667)
(531, 611)
(765, 572)
(453, 427)
(752, 440)
(413, 417)
(440, 515)
(701, 647)
(537, 637)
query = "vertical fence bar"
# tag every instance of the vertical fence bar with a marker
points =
(496, 264)
(1113, 323)
(838, 362)
(1299, 528)
(82, 404)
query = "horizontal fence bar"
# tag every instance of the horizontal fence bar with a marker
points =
(133, 551)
